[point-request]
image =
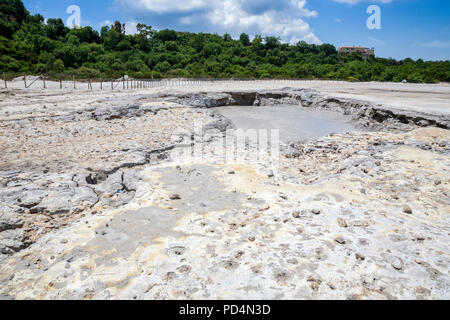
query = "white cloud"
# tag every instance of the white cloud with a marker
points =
(352, 2)
(301, 6)
(284, 18)
(164, 6)
(130, 26)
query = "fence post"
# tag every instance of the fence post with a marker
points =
(43, 80)
(25, 80)
(4, 78)
(60, 84)
(101, 84)
(73, 78)
(112, 85)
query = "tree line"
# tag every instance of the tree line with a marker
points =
(31, 45)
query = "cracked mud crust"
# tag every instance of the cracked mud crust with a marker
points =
(95, 205)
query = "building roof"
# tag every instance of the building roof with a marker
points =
(352, 47)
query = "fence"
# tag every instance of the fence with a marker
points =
(132, 84)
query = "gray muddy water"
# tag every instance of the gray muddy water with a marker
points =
(294, 122)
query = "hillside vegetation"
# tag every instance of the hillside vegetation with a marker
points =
(30, 45)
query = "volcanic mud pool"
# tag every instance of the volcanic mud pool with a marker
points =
(294, 122)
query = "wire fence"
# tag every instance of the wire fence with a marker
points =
(127, 83)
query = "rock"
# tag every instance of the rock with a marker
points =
(296, 214)
(122, 199)
(221, 125)
(91, 179)
(31, 199)
(111, 185)
(359, 257)
(340, 240)
(56, 203)
(407, 209)
(437, 182)
(316, 211)
(132, 179)
(12, 241)
(422, 291)
(292, 154)
(84, 195)
(397, 263)
(361, 223)
(265, 208)
(251, 239)
(314, 283)
(270, 174)
(174, 196)
(184, 269)
(342, 223)
(283, 196)
(9, 219)
(231, 172)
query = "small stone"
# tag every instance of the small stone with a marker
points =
(378, 163)
(300, 229)
(397, 264)
(174, 196)
(231, 172)
(316, 211)
(251, 239)
(407, 209)
(184, 269)
(270, 174)
(314, 283)
(342, 223)
(340, 240)
(283, 196)
(437, 182)
(359, 257)
(64, 241)
(296, 214)
(423, 291)
(265, 208)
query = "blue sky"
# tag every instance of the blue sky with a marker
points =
(409, 28)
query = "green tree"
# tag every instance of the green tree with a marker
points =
(245, 39)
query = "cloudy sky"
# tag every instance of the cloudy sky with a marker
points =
(409, 28)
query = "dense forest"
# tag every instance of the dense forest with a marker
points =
(29, 44)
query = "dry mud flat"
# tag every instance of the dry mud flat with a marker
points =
(97, 203)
